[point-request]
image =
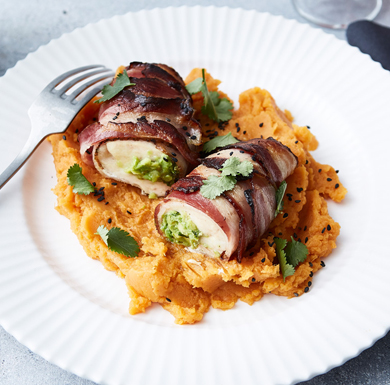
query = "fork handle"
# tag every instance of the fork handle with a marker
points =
(30, 146)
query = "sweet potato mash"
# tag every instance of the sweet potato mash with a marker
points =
(184, 283)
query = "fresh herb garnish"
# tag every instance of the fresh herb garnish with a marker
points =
(234, 167)
(290, 254)
(285, 267)
(216, 108)
(215, 185)
(296, 252)
(79, 181)
(122, 81)
(219, 141)
(119, 240)
(279, 197)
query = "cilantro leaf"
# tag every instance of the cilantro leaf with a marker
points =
(78, 180)
(285, 267)
(122, 81)
(103, 232)
(279, 197)
(233, 166)
(219, 141)
(296, 252)
(195, 86)
(222, 106)
(119, 240)
(215, 185)
(216, 108)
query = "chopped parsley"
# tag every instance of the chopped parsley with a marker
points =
(219, 141)
(289, 254)
(79, 181)
(119, 240)
(122, 81)
(216, 108)
(215, 185)
(279, 197)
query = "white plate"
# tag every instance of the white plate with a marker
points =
(67, 308)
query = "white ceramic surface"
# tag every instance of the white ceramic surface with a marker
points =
(67, 308)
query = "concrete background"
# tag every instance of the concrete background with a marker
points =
(27, 24)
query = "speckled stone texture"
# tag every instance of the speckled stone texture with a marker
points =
(27, 24)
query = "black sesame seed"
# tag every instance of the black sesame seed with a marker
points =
(109, 220)
(296, 294)
(168, 120)
(185, 128)
(100, 198)
(305, 228)
(174, 159)
(328, 228)
(310, 264)
(168, 299)
(231, 153)
(306, 289)
(289, 194)
(242, 151)
(296, 142)
(320, 170)
(253, 158)
(306, 239)
(295, 235)
(94, 183)
(101, 189)
(114, 117)
(329, 179)
(322, 263)
(261, 124)
(77, 130)
(117, 114)
(114, 183)
(173, 153)
(311, 274)
(238, 129)
(193, 137)
(298, 201)
(337, 171)
(299, 189)
(285, 215)
(336, 185)
(263, 260)
(64, 137)
(308, 127)
(128, 212)
(306, 161)
(253, 279)
(237, 124)
(244, 132)
(309, 283)
(188, 134)
(251, 253)
(106, 203)
(323, 230)
(280, 233)
(166, 159)
(299, 240)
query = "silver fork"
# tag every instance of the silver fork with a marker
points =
(54, 110)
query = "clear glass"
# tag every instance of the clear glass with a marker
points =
(337, 14)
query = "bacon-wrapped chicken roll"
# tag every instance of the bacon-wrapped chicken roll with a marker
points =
(146, 135)
(231, 223)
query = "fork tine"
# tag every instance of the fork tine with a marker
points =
(68, 85)
(66, 75)
(85, 86)
(86, 98)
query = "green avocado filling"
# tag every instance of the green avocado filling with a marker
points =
(179, 228)
(157, 169)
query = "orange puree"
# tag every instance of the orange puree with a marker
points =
(184, 283)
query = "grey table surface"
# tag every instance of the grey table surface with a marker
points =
(27, 24)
